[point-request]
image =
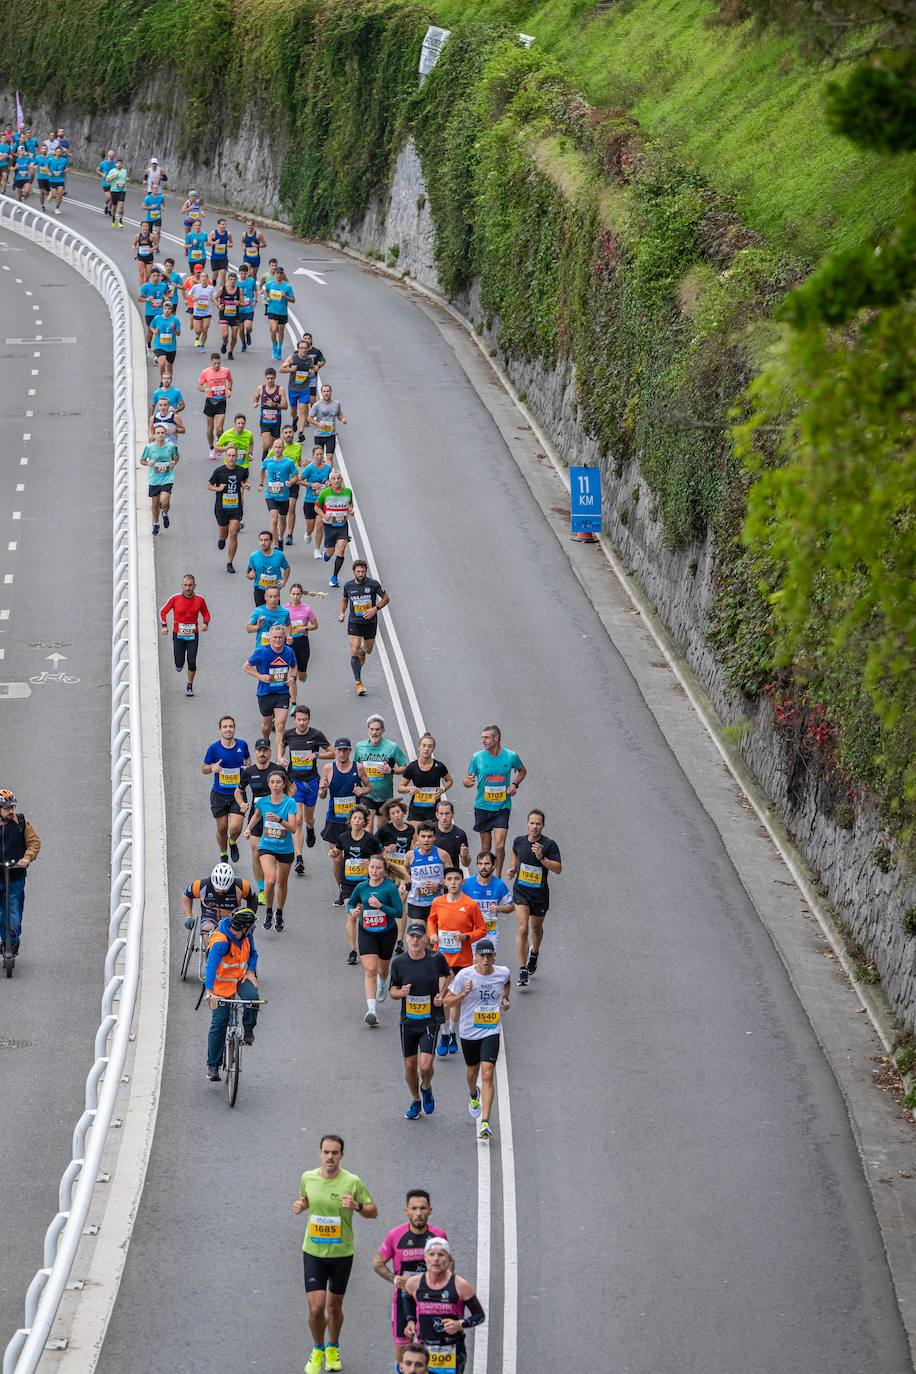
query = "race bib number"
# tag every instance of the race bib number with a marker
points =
(269, 415)
(279, 674)
(273, 830)
(361, 605)
(230, 308)
(301, 762)
(275, 488)
(277, 296)
(487, 1016)
(374, 919)
(166, 340)
(186, 631)
(449, 942)
(495, 793)
(217, 390)
(299, 628)
(418, 1008)
(530, 876)
(162, 467)
(375, 770)
(229, 777)
(325, 1230)
(230, 502)
(490, 920)
(264, 641)
(343, 806)
(355, 869)
(443, 1357)
(267, 579)
(424, 797)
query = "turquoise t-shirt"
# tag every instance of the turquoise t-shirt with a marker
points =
(275, 838)
(370, 756)
(278, 472)
(162, 459)
(316, 477)
(494, 774)
(269, 617)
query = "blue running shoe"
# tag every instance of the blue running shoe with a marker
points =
(429, 1102)
(413, 1111)
(442, 1047)
(453, 1044)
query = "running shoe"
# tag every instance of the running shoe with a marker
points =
(453, 1044)
(278, 921)
(331, 1353)
(230, 568)
(289, 540)
(213, 1075)
(234, 852)
(332, 582)
(165, 521)
(370, 1018)
(360, 689)
(189, 690)
(533, 961)
(318, 554)
(300, 867)
(155, 529)
(315, 1362)
(522, 978)
(310, 836)
(442, 1047)
(220, 543)
(352, 958)
(413, 1111)
(268, 918)
(483, 1131)
(474, 1106)
(429, 1102)
(339, 899)
(381, 989)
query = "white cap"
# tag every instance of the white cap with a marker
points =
(154, 159)
(437, 1243)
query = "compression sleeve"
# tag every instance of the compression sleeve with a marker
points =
(475, 1313)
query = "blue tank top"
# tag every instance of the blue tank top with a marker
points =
(252, 249)
(342, 794)
(220, 240)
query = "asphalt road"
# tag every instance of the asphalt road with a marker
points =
(55, 561)
(687, 1181)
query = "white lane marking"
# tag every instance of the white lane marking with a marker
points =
(5, 268)
(35, 369)
(18, 279)
(26, 437)
(30, 414)
(11, 546)
(23, 462)
(31, 391)
(37, 307)
(28, 293)
(4, 615)
(38, 336)
(20, 486)
(36, 355)
(510, 1217)
(7, 579)
(17, 514)
(315, 276)
(482, 1284)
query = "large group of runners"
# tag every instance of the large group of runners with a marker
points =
(422, 913)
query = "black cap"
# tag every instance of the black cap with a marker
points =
(416, 928)
(262, 744)
(342, 743)
(485, 947)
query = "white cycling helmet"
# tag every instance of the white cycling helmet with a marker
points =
(222, 877)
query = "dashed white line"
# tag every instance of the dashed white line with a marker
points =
(19, 280)
(31, 391)
(11, 546)
(30, 414)
(17, 514)
(35, 369)
(23, 462)
(20, 486)
(28, 293)
(26, 438)
(7, 579)
(36, 355)
(4, 615)
(36, 307)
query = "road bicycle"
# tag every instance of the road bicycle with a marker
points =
(232, 1051)
(203, 925)
(9, 957)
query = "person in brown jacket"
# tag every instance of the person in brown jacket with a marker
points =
(19, 846)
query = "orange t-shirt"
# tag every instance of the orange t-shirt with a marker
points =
(450, 920)
(217, 380)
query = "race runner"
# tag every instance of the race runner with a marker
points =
(534, 858)
(229, 483)
(255, 777)
(303, 624)
(419, 979)
(450, 836)
(292, 450)
(382, 759)
(279, 296)
(491, 894)
(331, 1195)
(314, 477)
(160, 457)
(302, 366)
(403, 1249)
(374, 906)
(349, 857)
(187, 611)
(490, 771)
(424, 779)
(278, 474)
(263, 618)
(273, 667)
(271, 402)
(334, 504)
(267, 567)
(224, 761)
(303, 746)
(216, 383)
(481, 995)
(275, 819)
(362, 597)
(434, 1304)
(342, 782)
(323, 416)
(454, 925)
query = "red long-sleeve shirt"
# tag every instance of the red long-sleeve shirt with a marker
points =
(186, 610)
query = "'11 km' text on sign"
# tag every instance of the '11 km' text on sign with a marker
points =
(585, 500)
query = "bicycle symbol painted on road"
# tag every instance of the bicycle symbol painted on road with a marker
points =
(41, 678)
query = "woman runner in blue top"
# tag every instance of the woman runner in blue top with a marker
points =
(276, 818)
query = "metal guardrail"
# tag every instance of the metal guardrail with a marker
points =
(122, 962)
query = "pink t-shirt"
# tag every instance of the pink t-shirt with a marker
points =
(301, 617)
(216, 380)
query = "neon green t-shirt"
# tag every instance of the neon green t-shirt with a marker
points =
(329, 1233)
(293, 451)
(242, 442)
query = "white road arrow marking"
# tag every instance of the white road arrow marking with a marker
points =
(315, 276)
(57, 658)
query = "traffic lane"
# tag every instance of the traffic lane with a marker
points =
(315, 1066)
(416, 372)
(56, 741)
(494, 630)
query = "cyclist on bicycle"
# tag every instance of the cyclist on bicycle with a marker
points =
(219, 895)
(231, 972)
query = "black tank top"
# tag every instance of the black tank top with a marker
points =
(433, 1305)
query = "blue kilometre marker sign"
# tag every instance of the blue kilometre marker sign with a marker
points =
(585, 500)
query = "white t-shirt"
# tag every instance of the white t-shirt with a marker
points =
(479, 1014)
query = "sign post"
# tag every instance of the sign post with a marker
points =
(585, 503)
